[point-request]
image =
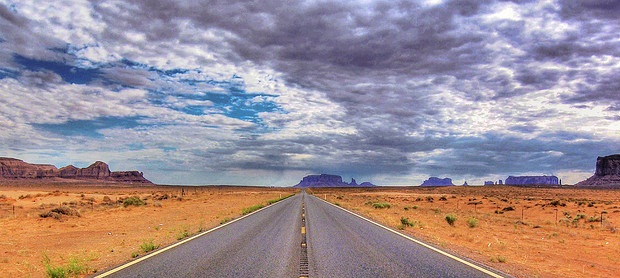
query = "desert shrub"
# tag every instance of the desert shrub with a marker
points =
(182, 234)
(418, 199)
(74, 268)
(405, 222)
(148, 246)
(58, 212)
(472, 222)
(429, 199)
(443, 198)
(508, 209)
(381, 205)
(498, 259)
(133, 201)
(556, 203)
(451, 218)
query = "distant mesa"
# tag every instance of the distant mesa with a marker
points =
(12, 168)
(435, 181)
(489, 183)
(532, 180)
(326, 180)
(607, 172)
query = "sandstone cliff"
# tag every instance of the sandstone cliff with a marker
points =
(435, 181)
(607, 172)
(532, 180)
(11, 168)
(325, 180)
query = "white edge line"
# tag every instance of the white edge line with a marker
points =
(126, 265)
(484, 270)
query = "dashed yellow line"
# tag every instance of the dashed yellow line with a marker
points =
(303, 230)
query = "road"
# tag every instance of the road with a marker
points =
(298, 237)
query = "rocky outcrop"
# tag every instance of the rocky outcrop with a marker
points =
(435, 181)
(607, 172)
(11, 168)
(326, 180)
(532, 180)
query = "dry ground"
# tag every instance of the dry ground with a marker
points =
(107, 233)
(515, 229)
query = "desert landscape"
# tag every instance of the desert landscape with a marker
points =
(84, 227)
(525, 232)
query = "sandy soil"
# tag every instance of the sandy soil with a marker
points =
(107, 233)
(527, 241)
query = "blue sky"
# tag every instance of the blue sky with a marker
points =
(265, 92)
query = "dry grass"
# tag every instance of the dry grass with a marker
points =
(515, 229)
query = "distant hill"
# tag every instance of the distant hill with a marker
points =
(14, 169)
(326, 180)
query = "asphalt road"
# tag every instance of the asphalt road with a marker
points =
(264, 244)
(269, 243)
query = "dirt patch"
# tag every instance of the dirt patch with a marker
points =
(525, 232)
(103, 226)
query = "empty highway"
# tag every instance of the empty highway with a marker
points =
(301, 236)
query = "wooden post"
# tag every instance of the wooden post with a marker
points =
(13, 210)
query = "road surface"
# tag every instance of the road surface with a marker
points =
(301, 236)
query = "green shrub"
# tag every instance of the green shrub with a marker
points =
(182, 234)
(406, 222)
(451, 218)
(381, 205)
(148, 246)
(74, 268)
(133, 201)
(472, 222)
(251, 209)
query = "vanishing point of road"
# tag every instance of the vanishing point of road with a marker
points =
(301, 236)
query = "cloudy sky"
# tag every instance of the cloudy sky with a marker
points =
(265, 92)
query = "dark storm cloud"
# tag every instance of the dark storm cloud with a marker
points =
(414, 82)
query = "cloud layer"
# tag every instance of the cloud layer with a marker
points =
(266, 92)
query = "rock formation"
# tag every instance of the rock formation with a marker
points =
(607, 172)
(11, 168)
(435, 181)
(489, 183)
(326, 180)
(532, 180)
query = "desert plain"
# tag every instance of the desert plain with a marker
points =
(524, 232)
(108, 227)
